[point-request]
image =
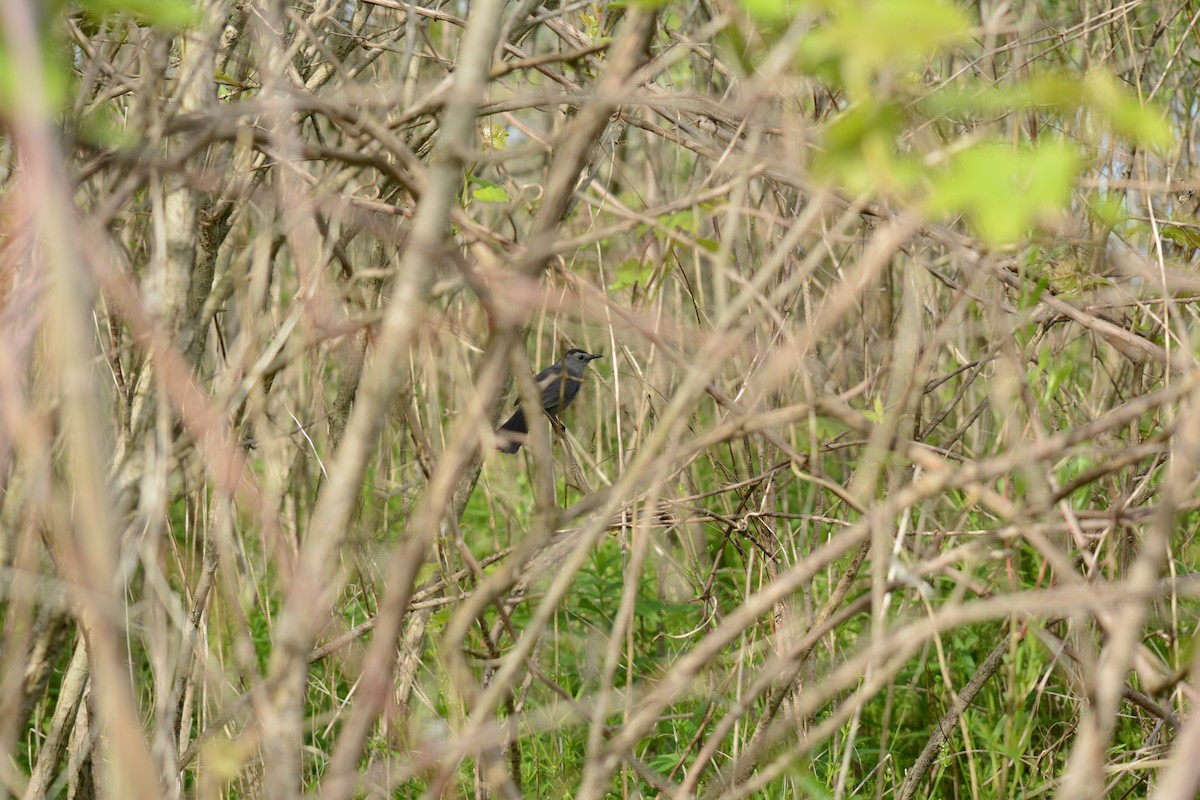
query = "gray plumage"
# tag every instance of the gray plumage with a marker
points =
(557, 394)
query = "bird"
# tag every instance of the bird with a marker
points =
(558, 392)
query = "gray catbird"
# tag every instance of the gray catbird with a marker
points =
(558, 391)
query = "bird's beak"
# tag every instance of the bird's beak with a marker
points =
(594, 357)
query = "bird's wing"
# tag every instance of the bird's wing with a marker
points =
(542, 381)
(548, 374)
(550, 386)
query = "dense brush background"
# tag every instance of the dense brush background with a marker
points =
(885, 485)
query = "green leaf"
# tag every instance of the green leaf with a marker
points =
(848, 133)
(1125, 112)
(631, 272)
(680, 220)
(1100, 94)
(171, 14)
(490, 194)
(771, 11)
(105, 128)
(1029, 297)
(648, 609)
(859, 147)
(866, 38)
(665, 762)
(487, 191)
(1002, 190)
(1109, 210)
(1188, 237)
(13, 80)
(875, 412)
(495, 136)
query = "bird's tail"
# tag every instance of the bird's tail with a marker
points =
(512, 433)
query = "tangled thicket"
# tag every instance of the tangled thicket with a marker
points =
(885, 485)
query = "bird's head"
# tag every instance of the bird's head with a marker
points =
(579, 357)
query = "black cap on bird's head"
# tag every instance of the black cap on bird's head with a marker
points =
(583, 356)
